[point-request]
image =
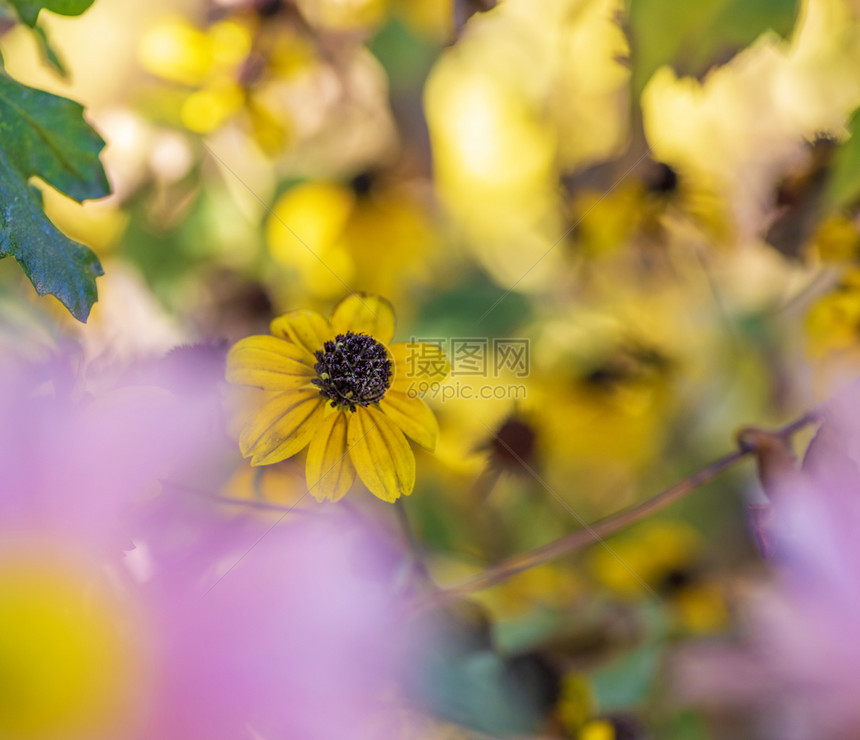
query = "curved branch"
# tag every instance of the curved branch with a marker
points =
(604, 527)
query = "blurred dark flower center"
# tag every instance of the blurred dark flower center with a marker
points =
(663, 179)
(352, 370)
(514, 444)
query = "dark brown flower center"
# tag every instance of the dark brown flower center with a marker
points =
(352, 370)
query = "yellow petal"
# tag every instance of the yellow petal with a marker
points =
(417, 363)
(364, 314)
(283, 426)
(413, 416)
(306, 328)
(381, 454)
(269, 363)
(329, 471)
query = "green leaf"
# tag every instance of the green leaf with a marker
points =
(693, 37)
(843, 185)
(405, 56)
(626, 682)
(46, 136)
(460, 677)
(49, 53)
(485, 692)
(28, 10)
(459, 308)
(53, 262)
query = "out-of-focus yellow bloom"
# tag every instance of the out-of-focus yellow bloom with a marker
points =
(738, 131)
(604, 403)
(837, 239)
(604, 222)
(427, 18)
(833, 322)
(211, 61)
(576, 702)
(268, 78)
(646, 553)
(335, 388)
(205, 110)
(545, 585)
(343, 15)
(302, 233)
(701, 607)
(664, 555)
(598, 729)
(280, 485)
(68, 665)
(383, 241)
(176, 50)
(502, 130)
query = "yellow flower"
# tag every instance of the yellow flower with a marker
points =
(335, 388)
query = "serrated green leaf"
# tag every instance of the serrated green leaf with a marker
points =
(28, 10)
(54, 263)
(46, 135)
(692, 37)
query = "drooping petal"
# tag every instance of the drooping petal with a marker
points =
(412, 416)
(306, 328)
(329, 470)
(269, 363)
(283, 426)
(381, 454)
(417, 365)
(364, 314)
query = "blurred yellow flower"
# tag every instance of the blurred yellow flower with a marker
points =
(833, 321)
(836, 239)
(335, 388)
(575, 703)
(313, 214)
(69, 667)
(176, 50)
(735, 133)
(206, 109)
(342, 15)
(326, 232)
(647, 553)
(667, 556)
(502, 133)
(598, 729)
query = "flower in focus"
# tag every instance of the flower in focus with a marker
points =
(335, 388)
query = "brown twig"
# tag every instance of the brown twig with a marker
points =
(604, 527)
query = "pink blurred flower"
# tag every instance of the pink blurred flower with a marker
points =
(799, 670)
(128, 610)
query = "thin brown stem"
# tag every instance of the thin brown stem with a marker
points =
(604, 527)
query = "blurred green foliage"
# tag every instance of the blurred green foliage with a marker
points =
(693, 37)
